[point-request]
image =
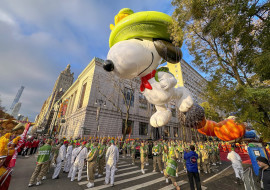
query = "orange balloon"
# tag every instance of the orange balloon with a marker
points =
(201, 124)
(229, 130)
(208, 129)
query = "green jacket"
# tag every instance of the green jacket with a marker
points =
(101, 152)
(143, 151)
(133, 148)
(44, 153)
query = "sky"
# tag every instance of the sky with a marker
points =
(39, 38)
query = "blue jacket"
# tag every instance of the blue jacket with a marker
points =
(191, 161)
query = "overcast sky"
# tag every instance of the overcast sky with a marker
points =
(38, 38)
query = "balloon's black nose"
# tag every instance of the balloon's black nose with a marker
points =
(108, 65)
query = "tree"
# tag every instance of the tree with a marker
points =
(125, 89)
(230, 42)
(210, 112)
(3, 113)
(2, 108)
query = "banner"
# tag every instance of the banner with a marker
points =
(21, 141)
(64, 108)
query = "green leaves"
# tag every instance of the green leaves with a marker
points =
(210, 112)
(230, 41)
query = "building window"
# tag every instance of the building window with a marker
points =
(129, 128)
(129, 96)
(175, 132)
(143, 128)
(73, 101)
(167, 131)
(173, 110)
(82, 95)
(70, 104)
(142, 101)
(153, 108)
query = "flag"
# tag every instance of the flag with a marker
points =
(14, 157)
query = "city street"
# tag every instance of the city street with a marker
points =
(127, 177)
(186, 83)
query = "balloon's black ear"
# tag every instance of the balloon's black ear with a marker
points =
(168, 51)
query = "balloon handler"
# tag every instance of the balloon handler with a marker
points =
(170, 171)
(43, 161)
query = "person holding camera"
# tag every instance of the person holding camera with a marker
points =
(191, 158)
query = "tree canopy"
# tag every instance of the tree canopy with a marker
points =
(230, 41)
(210, 112)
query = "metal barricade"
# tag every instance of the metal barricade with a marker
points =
(249, 180)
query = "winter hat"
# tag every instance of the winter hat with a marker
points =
(146, 24)
(66, 142)
(262, 159)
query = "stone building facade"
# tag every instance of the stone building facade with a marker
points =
(188, 77)
(92, 107)
(44, 119)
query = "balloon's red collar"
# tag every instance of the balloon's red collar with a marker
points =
(145, 83)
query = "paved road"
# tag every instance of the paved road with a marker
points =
(128, 177)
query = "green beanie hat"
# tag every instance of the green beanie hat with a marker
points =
(146, 24)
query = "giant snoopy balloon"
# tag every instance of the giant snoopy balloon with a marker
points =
(139, 43)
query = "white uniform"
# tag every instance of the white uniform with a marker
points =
(79, 163)
(68, 159)
(112, 157)
(75, 152)
(60, 158)
(236, 164)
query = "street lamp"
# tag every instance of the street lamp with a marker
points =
(99, 103)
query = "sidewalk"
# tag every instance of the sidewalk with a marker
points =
(23, 171)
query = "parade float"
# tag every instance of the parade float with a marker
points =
(13, 126)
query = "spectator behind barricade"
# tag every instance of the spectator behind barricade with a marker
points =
(35, 145)
(27, 146)
(264, 172)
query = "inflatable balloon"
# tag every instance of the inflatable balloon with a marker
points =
(208, 129)
(139, 43)
(146, 24)
(250, 134)
(193, 118)
(229, 130)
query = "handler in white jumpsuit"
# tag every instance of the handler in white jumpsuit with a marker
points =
(236, 164)
(59, 160)
(79, 162)
(68, 158)
(74, 154)
(112, 157)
